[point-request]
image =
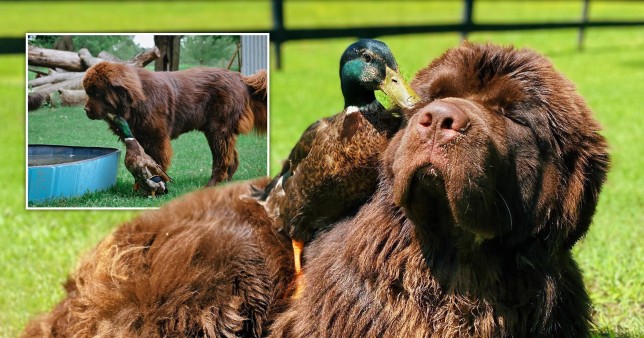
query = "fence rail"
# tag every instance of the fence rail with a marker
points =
(279, 37)
(279, 34)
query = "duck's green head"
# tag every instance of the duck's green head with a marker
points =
(368, 65)
(121, 124)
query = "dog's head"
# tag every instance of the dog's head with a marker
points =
(504, 143)
(111, 88)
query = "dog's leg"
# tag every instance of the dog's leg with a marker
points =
(224, 156)
(160, 149)
(233, 167)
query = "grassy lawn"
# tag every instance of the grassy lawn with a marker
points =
(39, 248)
(190, 169)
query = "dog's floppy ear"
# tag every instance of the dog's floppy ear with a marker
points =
(125, 80)
(572, 189)
(588, 172)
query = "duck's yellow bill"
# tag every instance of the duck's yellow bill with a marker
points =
(398, 90)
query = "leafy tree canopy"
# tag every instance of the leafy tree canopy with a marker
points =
(121, 46)
(209, 50)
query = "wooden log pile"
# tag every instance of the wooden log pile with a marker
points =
(66, 71)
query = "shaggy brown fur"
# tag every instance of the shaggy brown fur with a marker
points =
(481, 198)
(160, 106)
(208, 264)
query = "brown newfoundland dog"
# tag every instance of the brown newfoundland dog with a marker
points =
(482, 197)
(160, 106)
(207, 264)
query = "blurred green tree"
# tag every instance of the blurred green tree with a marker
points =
(121, 46)
(208, 50)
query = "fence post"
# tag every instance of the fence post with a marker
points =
(278, 30)
(582, 25)
(468, 9)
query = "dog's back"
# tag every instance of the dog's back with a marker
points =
(206, 264)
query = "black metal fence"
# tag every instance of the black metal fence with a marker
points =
(279, 34)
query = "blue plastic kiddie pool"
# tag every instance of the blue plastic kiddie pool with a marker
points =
(64, 171)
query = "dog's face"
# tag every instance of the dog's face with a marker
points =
(111, 88)
(504, 143)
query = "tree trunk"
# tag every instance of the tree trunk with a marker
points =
(169, 52)
(64, 42)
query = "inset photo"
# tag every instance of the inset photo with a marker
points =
(135, 120)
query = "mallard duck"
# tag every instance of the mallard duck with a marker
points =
(148, 174)
(332, 169)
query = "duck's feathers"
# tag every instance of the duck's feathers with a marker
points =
(147, 172)
(331, 171)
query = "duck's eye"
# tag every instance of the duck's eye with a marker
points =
(367, 57)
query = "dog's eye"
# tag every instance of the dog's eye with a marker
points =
(513, 117)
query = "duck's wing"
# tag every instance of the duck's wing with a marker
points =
(303, 147)
(153, 167)
(141, 165)
(298, 153)
(158, 171)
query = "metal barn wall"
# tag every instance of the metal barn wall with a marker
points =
(254, 53)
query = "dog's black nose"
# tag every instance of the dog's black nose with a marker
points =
(442, 121)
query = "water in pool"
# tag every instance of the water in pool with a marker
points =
(51, 159)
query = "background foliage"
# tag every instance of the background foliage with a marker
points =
(196, 50)
(209, 50)
(121, 46)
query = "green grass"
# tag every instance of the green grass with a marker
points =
(190, 169)
(135, 16)
(39, 248)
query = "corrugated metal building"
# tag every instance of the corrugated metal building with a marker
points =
(254, 53)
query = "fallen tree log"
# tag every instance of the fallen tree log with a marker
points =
(144, 58)
(39, 72)
(86, 58)
(108, 57)
(72, 97)
(81, 60)
(55, 78)
(52, 58)
(73, 83)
